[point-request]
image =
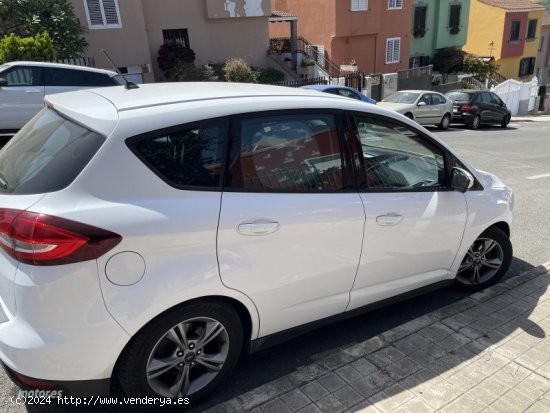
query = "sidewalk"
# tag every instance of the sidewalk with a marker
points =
(531, 118)
(489, 352)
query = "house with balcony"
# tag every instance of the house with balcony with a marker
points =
(132, 31)
(437, 24)
(508, 31)
(542, 64)
(371, 34)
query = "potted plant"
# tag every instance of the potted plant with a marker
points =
(307, 66)
(419, 32)
(350, 67)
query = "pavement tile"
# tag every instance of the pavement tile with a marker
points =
(232, 405)
(457, 321)
(334, 360)
(440, 394)
(482, 394)
(534, 386)
(533, 358)
(367, 386)
(314, 391)
(512, 401)
(454, 341)
(330, 404)
(347, 396)
(511, 374)
(538, 407)
(348, 373)
(311, 408)
(411, 343)
(414, 405)
(391, 398)
(331, 382)
(385, 356)
(463, 404)
(364, 367)
(364, 407)
(512, 349)
(366, 347)
(407, 328)
(436, 332)
(304, 374)
(275, 406)
(295, 400)
(461, 381)
(402, 368)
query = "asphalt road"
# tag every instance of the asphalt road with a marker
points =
(515, 155)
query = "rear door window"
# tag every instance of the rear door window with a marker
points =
(23, 76)
(46, 155)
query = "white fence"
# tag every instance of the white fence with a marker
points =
(519, 97)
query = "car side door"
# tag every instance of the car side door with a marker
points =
(414, 222)
(423, 110)
(291, 223)
(22, 97)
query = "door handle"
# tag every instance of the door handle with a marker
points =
(33, 91)
(258, 227)
(389, 219)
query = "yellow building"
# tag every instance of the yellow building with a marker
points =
(507, 30)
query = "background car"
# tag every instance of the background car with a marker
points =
(152, 234)
(424, 107)
(476, 107)
(23, 86)
(345, 91)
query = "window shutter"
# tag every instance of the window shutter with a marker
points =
(94, 11)
(111, 13)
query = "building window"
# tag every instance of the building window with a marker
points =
(541, 44)
(102, 14)
(359, 5)
(526, 66)
(419, 21)
(532, 29)
(175, 37)
(419, 61)
(395, 4)
(514, 33)
(454, 18)
(393, 49)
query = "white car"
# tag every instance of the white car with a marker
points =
(23, 86)
(153, 234)
(426, 107)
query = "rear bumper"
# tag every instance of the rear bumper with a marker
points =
(80, 388)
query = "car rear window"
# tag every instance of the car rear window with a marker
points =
(459, 96)
(46, 155)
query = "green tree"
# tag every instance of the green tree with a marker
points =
(448, 60)
(479, 68)
(37, 48)
(545, 3)
(28, 18)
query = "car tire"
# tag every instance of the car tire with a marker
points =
(445, 122)
(167, 358)
(486, 261)
(505, 121)
(474, 122)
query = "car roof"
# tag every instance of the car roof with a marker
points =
(60, 66)
(469, 91)
(325, 87)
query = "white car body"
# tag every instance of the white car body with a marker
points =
(23, 98)
(330, 252)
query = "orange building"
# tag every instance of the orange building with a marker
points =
(374, 34)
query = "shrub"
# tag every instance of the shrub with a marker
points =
(308, 61)
(269, 76)
(237, 70)
(187, 72)
(37, 48)
(172, 54)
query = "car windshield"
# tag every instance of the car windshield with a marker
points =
(402, 97)
(46, 155)
(459, 96)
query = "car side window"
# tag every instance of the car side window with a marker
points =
(64, 77)
(437, 100)
(98, 79)
(23, 76)
(426, 98)
(496, 100)
(286, 153)
(185, 156)
(486, 97)
(348, 94)
(397, 158)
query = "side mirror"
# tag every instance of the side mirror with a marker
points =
(421, 104)
(461, 180)
(3, 82)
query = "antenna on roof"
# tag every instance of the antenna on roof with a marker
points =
(127, 84)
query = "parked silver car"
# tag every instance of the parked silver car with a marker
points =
(424, 106)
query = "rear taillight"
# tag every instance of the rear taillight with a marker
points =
(39, 239)
(467, 107)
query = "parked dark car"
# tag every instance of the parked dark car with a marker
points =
(474, 107)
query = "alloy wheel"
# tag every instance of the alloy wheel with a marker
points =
(481, 263)
(188, 357)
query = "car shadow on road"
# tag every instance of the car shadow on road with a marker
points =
(390, 350)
